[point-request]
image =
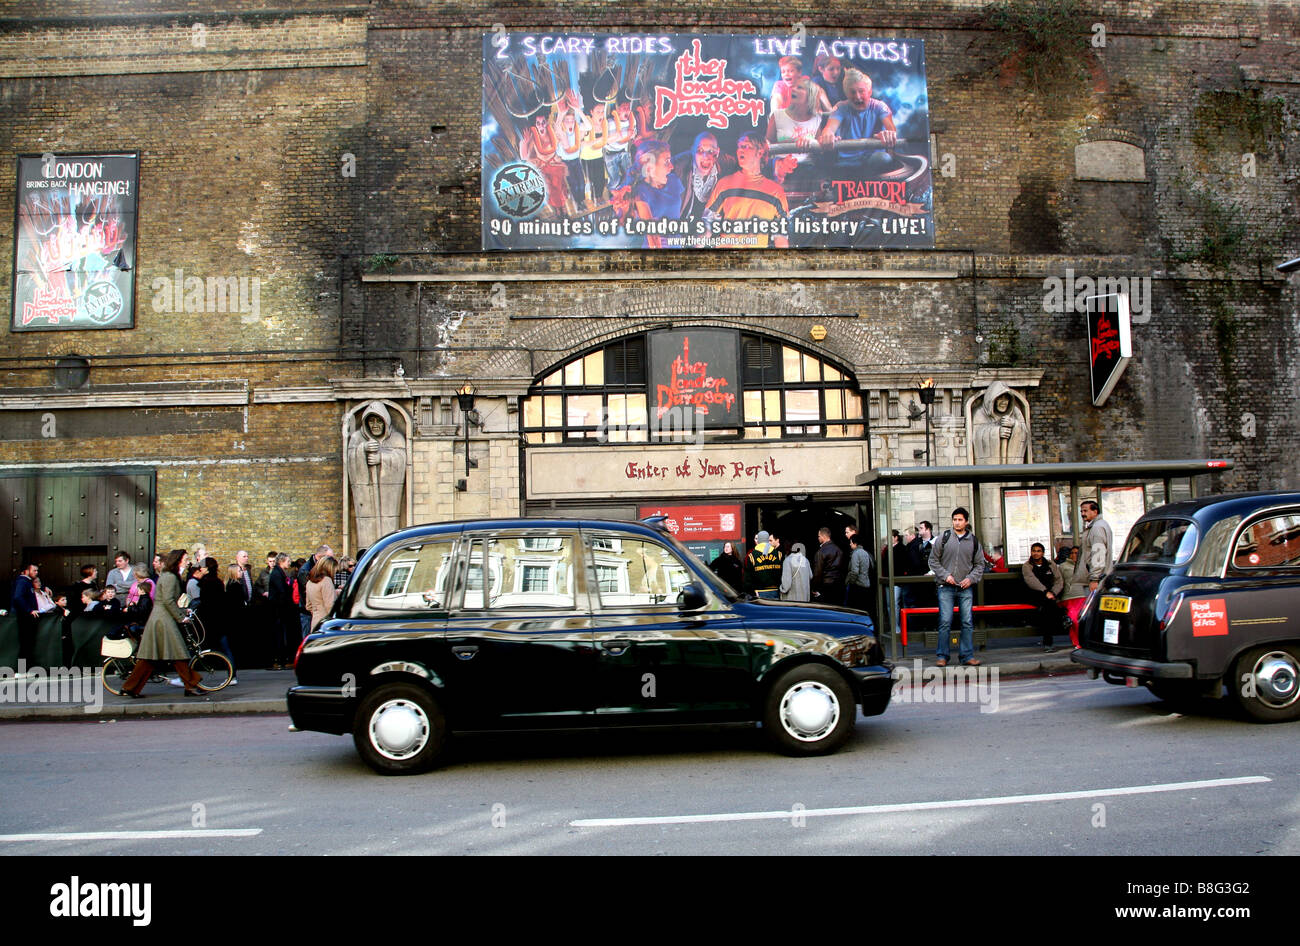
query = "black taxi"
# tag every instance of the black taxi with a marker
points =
(552, 623)
(1205, 595)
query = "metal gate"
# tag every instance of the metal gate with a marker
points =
(65, 519)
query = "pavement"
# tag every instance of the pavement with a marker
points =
(82, 696)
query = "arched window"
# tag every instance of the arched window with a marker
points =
(603, 394)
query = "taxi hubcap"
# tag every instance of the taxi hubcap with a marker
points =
(1276, 679)
(809, 711)
(399, 729)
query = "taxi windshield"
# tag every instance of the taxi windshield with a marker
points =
(1160, 542)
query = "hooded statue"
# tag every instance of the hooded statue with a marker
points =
(376, 458)
(999, 433)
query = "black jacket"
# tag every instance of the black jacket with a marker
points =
(278, 591)
(918, 554)
(212, 603)
(729, 569)
(138, 613)
(303, 574)
(828, 566)
(236, 595)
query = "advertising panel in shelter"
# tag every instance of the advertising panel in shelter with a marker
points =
(685, 141)
(74, 241)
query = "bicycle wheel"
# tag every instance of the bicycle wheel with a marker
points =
(114, 673)
(194, 631)
(214, 670)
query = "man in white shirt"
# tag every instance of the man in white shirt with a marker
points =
(122, 576)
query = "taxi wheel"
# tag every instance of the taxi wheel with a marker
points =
(400, 729)
(809, 711)
(1266, 683)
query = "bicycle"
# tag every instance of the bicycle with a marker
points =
(213, 667)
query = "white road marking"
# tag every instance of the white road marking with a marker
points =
(134, 835)
(920, 806)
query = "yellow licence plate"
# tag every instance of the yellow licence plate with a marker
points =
(1117, 605)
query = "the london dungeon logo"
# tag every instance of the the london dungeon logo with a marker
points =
(519, 190)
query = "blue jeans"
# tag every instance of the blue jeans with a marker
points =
(963, 598)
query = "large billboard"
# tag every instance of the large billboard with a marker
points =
(704, 141)
(74, 241)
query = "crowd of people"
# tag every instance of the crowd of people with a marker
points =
(256, 618)
(260, 620)
(1057, 587)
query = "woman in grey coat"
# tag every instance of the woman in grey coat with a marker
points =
(162, 641)
(796, 575)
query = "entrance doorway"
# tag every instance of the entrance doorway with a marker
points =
(61, 566)
(799, 522)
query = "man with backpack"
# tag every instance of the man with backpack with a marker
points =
(957, 561)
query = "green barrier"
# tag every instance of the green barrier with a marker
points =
(8, 640)
(87, 632)
(49, 642)
(49, 639)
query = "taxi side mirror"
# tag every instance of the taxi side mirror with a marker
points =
(691, 598)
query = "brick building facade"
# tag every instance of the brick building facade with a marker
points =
(331, 151)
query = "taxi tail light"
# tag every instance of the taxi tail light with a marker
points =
(299, 653)
(1171, 612)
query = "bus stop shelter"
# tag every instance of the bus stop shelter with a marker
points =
(1012, 506)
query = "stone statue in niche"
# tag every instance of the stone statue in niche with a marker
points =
(999, 432)
(376, 458)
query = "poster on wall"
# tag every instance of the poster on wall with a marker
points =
(703, 529)
(75, 242)
(1027, 514)
(698, 523)
(694, 380)
(704, 141)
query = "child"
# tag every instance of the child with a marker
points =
(791, 68)
(110, 605)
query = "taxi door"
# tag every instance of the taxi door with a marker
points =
(519, 636)
(654, 662)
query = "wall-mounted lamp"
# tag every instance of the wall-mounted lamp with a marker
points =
(927, 391)
(465, 399)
